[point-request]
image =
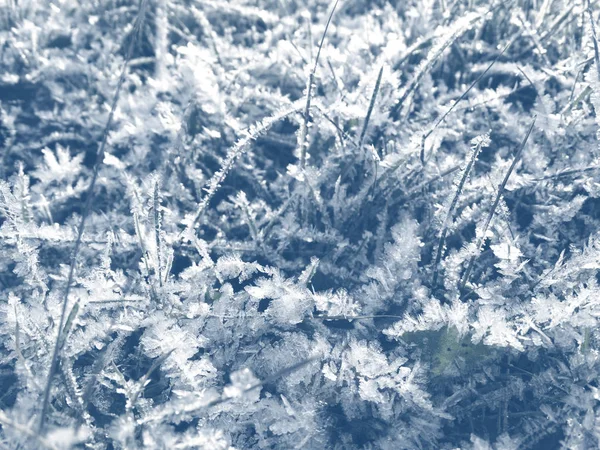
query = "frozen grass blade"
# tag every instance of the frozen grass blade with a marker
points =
(483, 141)
(594, 39)
(490, 215)
(311, 78)
(463, 96)
(69, 324)
(100, 363)
(204, 404)
(156, 206)
(370, 110)
(86, 210)
(27, 431)
(73, 391)
(351, 318)
(138, 232)
(557, 23)
(232, 155)
(422, 185)
(20, 356)
(461, 27)
(554, 26)
(271, 379)
(139, 386)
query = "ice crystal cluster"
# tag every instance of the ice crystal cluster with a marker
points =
(309, 224)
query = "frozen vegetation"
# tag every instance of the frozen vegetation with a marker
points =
(279, 224)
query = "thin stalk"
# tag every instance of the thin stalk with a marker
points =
(97, 367)
(594, 39)
(139, 386)
(350, 318)
(433, 56)
(155, 206)
(309, 87)
(232, 155)
(501, 189)
(574, 101)
(283, 372)
(463, 96)
(370, 110)
(90, 195)
(568, 173)
(432, 180)
(555, 26)
(450, 212)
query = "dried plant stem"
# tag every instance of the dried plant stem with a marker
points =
(490, 215)
(86, 210)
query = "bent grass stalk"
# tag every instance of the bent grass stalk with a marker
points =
(364, 131)
(434, 54)
(233, 154)
(463, 95)
(90, 195)
(490, 215)
(594, 39)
